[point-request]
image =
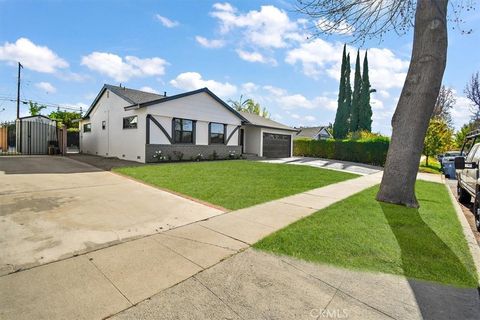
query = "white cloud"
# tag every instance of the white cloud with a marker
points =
(376, 104)
(295, 101)
(46, 87)
(330, 27)
(269, 27)
(193, 81)
(461, 111)
(167, 22)
(148, 89)
(249, 87)
(255, 57)
(315, 56)
(212, 43)
(286, 101)
(275, 90)
(301, 119)
(385, 69)
(32, 56)
(319, 57)
(383, 93)
(122, 69)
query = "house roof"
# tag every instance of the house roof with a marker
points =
(141, 99)
(259, 121)
(310, 132)
(132, 96)
(182, 95)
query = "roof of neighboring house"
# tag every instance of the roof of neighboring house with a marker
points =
(310, 132)
(132, 96)
(256, 120)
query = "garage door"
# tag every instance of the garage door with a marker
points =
(276, 145)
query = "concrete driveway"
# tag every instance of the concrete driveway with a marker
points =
(54, 207)
(353, 167)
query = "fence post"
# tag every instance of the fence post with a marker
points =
(64, 140)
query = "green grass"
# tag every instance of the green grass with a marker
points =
(361, 233)
(235, 184)
(432, 167)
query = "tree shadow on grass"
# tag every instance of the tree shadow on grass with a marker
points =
(426, 257)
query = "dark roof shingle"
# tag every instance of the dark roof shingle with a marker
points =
(260, 121)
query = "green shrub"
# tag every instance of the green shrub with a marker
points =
(370, 151)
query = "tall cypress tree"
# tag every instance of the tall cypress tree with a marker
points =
(357, 88)
(348, 95)
(340, 126)
(365, 120)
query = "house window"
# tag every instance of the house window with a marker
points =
(87, 127)
(183, 131)
(217, 133)
(130, 122)
(104, 125)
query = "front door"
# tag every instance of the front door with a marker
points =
(240, 142)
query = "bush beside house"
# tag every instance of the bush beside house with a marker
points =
(369, 151)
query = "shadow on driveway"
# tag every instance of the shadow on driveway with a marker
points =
(42, 165)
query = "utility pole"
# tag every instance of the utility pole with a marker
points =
(18, 91)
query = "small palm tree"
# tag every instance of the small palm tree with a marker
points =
(250, 106)
(35, 108)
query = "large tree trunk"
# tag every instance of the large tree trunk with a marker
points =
(416, 103)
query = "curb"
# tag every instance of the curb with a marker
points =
(467, 231)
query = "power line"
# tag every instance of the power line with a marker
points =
(48, 105)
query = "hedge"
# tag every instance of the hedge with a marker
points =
(372, 151)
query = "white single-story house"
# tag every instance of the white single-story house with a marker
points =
(315, 133)
(134, 125)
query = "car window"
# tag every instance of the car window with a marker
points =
(472, 153)
(476, 156)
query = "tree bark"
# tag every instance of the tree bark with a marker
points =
(416, 103)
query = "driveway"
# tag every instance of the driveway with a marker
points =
(54, 207)
(358, 168)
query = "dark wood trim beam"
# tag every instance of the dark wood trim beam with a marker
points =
(231, 134)
(155, 121)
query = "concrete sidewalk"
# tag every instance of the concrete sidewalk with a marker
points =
(257, 285)
(104, 282)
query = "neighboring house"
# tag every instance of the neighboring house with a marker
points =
(133, 125)
(316, 133)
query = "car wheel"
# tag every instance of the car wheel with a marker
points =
(476, 213)
(463, 195)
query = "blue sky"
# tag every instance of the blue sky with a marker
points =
(255, 48)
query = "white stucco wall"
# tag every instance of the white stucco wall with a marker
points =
(129, 144)
(252, 140)
(200, 107)
(114, 141)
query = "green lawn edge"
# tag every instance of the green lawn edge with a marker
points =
(235, 184)
(362, 234)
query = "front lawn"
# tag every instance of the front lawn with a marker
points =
(361, 233)
(235, 184)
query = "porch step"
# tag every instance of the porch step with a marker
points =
(252, 156)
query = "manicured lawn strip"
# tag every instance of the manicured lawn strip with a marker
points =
(235, 184)
(361, 233)
(432, 167)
